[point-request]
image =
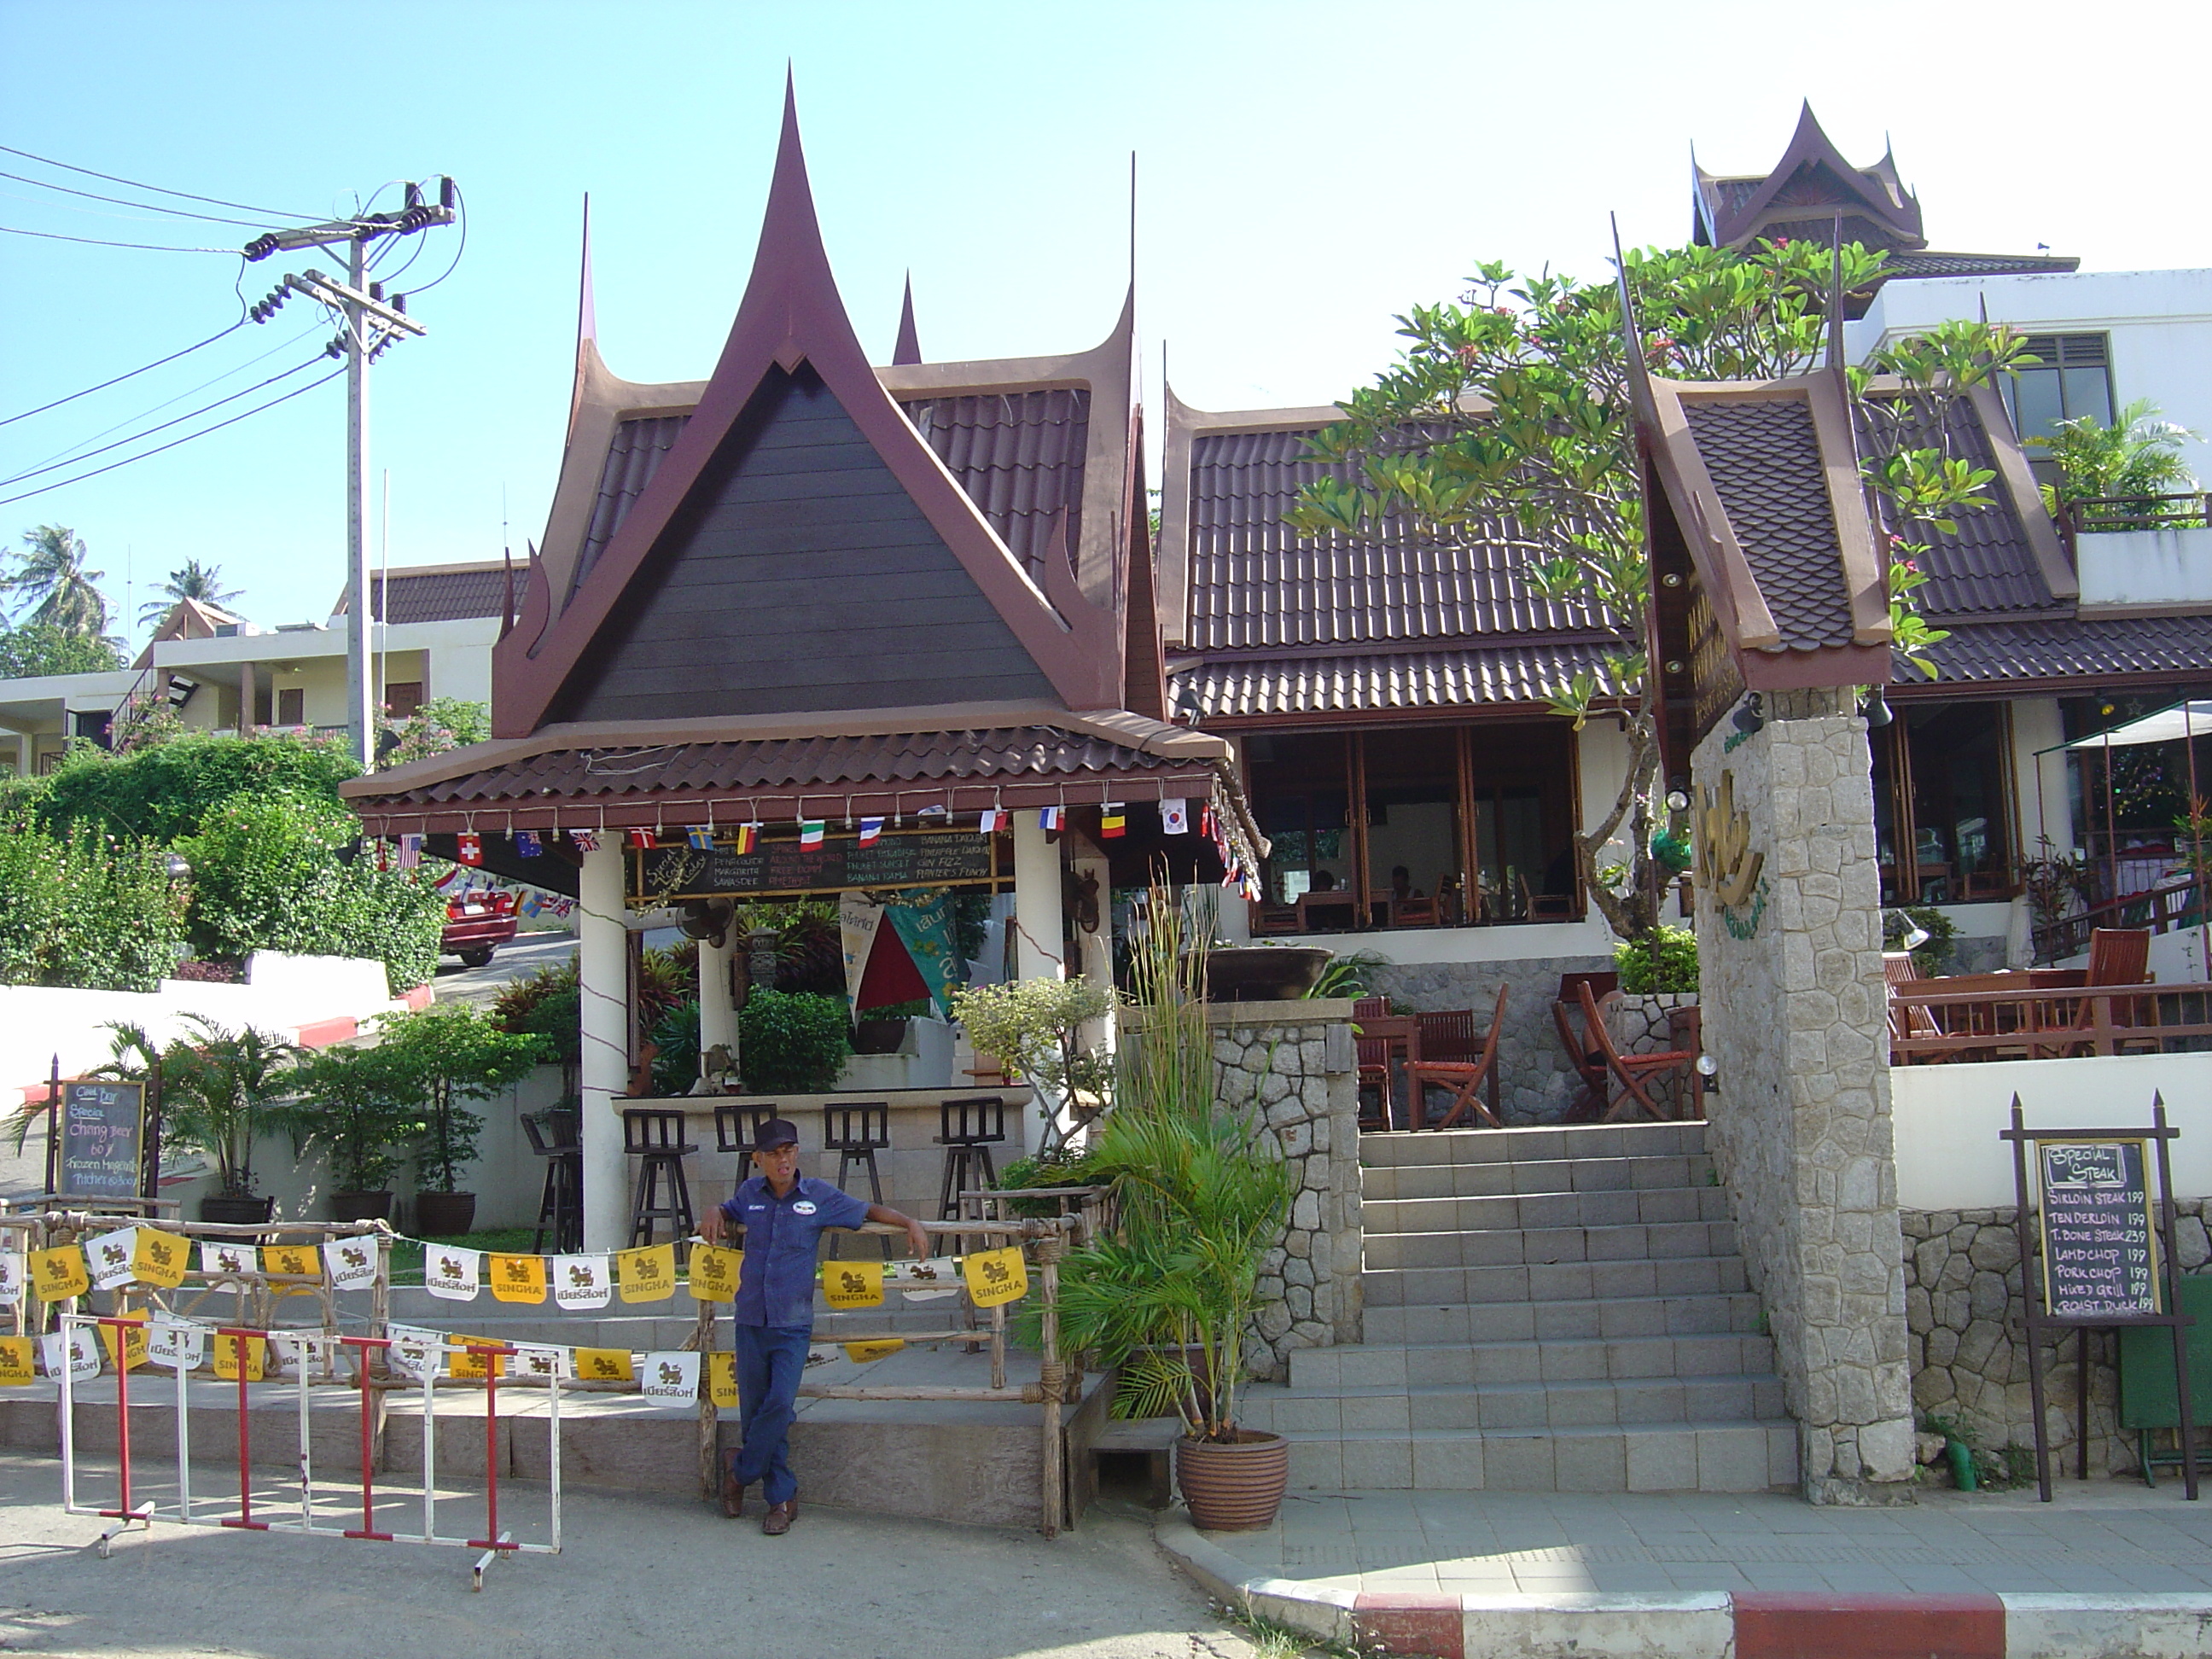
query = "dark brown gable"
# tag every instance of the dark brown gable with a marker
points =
(801, 576)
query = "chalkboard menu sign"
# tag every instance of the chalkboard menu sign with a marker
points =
(2099, 1241)
(660, 875)
(103, 1136)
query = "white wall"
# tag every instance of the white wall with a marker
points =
(2046, 801)
(2146, 566)
(2160, 324)
(1947, 1119)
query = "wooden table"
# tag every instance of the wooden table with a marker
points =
(1402, 1032)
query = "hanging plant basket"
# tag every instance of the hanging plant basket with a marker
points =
(1234, 1486)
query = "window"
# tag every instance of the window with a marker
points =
(292, 705)
(402, 698)
(1436, 802)
(2072, 376)
(1943, 792)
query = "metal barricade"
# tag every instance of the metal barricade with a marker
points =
(495, 1541)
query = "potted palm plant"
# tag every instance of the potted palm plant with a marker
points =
(437, 1060)
(1202, 1198)
(222, 1090)
(350, 1109)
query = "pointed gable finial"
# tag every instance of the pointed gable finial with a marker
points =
(909, 348)
(587, 313)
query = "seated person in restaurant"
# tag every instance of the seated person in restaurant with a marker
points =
(1401, 884)
(1324, 881)
(784, 1214)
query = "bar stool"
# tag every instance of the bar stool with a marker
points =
(658, 1138)
(968, 1129)
(563, 1202)
(856, 1134)
(737, 1130)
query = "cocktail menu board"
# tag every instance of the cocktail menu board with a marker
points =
(103, 1139)
(659, 875)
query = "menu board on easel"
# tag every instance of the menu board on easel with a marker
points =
(2099, 1231)
(103, 1139)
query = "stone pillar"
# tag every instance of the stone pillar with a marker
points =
(1038, 935)
(1790, 981)
(603, 971)
(718, 1015)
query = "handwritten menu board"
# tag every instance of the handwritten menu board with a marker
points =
(2100, 1243)
(923, 859)
(103, 1134)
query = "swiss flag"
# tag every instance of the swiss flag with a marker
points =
(468, 848)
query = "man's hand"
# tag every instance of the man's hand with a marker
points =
(917, 1240)
(710, 1225)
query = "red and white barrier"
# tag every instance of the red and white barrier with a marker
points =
(429, 1360)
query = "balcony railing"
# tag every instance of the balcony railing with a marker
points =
(1948, 1020)
(2162, 909)
(2107, 514)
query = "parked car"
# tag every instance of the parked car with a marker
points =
(477, 923)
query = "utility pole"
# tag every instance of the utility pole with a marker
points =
(368, 324)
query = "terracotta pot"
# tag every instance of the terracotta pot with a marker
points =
(1233, 1487)
(236, 1210)
(879, 1036)
(1263, 973)
(444, 1215)
(360, 1206)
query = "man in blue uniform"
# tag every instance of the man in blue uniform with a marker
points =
(783, 1213)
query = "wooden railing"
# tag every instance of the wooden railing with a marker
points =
(2162, 909)
(1943, 1019)
(2097, 515)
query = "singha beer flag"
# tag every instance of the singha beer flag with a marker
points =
(452, 1273)
(178, 1344)
(518, 1279)
(540, 1359)
(582, 1281)
(295, 1261)
(1175, 817)
(714, 1273)
(160, 1259)
(11, 1278)
(18, 1364)
(226, 1358)
(415, 1351)
(670, 1379)
(350, 1262)
(995, 1276)
(134, 1345)
(468, 848)
(466, 1364)
(604, 1365)
(722, 1379)
(229, 1260)
(853, 1284)
(110, 1255)
(78, 1351)
(59, 1273)
(647, 1274)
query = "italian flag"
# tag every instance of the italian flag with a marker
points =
(810, 831)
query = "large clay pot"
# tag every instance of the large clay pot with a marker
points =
(444, 1215)
(1233, 1486)
(360, 1206)
(879, 1036)
(236, 1209)
(1262, 973)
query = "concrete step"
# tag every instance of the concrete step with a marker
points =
(1531, 1146)
(1644, 1457)
(1551, 1282)
(1502, 1178)
(1566, 1359)
(1491, 1247)
(1592, 1403)
(1612, 1318)
(1624, 1207)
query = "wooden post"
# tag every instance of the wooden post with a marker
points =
(710, 1416)
(1050, 1374)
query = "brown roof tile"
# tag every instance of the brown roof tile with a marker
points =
(639, 445)
(2079, 648)
(1764, 457)
(1019, 455)
(1230, 688)
(438, 595)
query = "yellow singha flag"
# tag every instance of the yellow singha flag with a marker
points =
(160, 1259)
(226, 1358)
(134, 1342)
(714, 1273)
(722, 1379)
(304, 1261)
(853, 1284)
(646, 1275)
(604, 1365)
(517, 1277)
(59, 1273)
(995, 1276)
(15, 1361)
(472, 1365)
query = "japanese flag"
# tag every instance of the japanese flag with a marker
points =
(468, 848)
(1175, 817)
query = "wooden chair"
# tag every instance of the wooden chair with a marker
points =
(1462, 1077)
(2118, 956)
(1545, 907)
(1449, 1035)
(1907, 1019)
(1636, 1072)
(1414, 912)
(1374, 1074)
(1320, 912)
(1583, 1060)
(1269, 918)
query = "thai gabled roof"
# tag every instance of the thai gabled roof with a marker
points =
(437, 593)
(1811, 184)
(1009, 481)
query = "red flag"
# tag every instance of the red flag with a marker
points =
(641, 839)
(468, 848)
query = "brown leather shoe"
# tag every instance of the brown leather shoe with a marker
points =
(733, 1493)
(777, 1522)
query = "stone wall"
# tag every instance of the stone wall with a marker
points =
(1790, 983)
(1964, 1304)
(1294, 1064)
(1535, 1084)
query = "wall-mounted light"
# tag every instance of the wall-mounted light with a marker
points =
(1673, 665)
(1752, 717)
(176, 868)
(1186, 707)
(1678, 800)
(1672, 578)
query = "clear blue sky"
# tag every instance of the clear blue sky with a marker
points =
(1306, 170)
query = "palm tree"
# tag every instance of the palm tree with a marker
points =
(52, 578)
(195, 582)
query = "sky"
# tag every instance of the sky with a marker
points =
(1304, 172)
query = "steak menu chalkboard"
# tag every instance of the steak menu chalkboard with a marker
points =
(103, 1132)
(2099, 1241)
(916, 859)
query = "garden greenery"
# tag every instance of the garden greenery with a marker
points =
(792, 1042)
(1664, 960)
(79, 910)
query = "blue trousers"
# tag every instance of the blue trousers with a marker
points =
(770, 1358)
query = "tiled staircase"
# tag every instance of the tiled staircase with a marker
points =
(1548, 1310)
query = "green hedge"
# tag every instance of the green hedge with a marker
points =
(167, 790)
(85, 912)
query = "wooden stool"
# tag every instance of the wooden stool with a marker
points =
(856, 1134)
(968, 1129)
(658, 1138)
(737, 1130)
(563, 1202)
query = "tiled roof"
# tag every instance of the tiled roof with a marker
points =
(1019, 455)
(1764, 457)
(1986, 568)
(405, 596)
(1905, 267)
(2082, 648)
(1233, 687)
(1256, 582)
(639, 445)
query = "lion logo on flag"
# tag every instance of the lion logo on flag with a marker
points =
(448, 1267)
(160, 1252)
(517, 1272)
(851, 1283)
(582, 1278)
(671, 1374)
(112, 1255)
(604, 1367)
(354, 1256)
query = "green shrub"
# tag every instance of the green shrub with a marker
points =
(267, 876)
(436, 1060)
(1675, 968)
(167, 791)
(792, 1042)
(78, 911)
(676, 1039)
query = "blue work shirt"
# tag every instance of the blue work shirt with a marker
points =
(775, 1284)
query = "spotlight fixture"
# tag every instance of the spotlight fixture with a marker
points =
(1914, 937)
(1678, 800)
(1752, 715)
(1707, 1066)
(1186, 709)
(1876, 709)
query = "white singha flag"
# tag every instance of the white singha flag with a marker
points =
(223, 1260)
(669, 1378)
(414, 1351)
(110, 1256)
(582, 1281)
(11, 1278)
(179, 1343)
(351, 1263)
(450, 1273)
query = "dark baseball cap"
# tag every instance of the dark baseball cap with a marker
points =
(776, 1132)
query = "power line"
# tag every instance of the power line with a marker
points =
(244, 413)
(118, 201)
(95, 241)
(120, 379)
(182, 195)
(245, 392)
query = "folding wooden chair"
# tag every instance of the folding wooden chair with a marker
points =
(1636, 1072)
(2118, 956)
(1901, 973)
(1587, 1065)
(1462, 1078)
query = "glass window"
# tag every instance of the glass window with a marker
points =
(1522, 779)
(1948, 765)
(2071, 377)
(1300, 787)
(1412, 823)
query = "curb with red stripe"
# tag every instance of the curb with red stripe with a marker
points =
(1713, 1624)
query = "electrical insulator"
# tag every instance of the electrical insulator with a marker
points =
(335, 348)
(376, 292)
(400, 303)
(414, 194)
(445, 192)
